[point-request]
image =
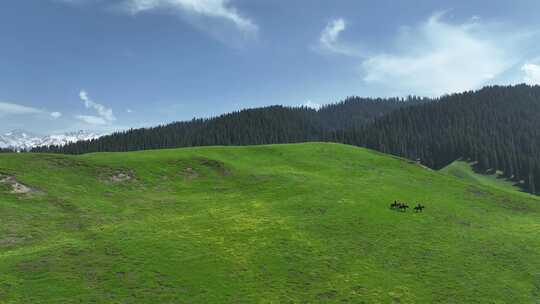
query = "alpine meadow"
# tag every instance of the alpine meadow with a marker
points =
(270, 151)
(266, 224)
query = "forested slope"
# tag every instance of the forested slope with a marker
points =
(274, 124)
(497, 126)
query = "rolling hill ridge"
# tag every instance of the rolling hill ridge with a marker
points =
(277, 223)
(497, 126)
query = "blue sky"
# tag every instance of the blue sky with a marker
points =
(114, 64)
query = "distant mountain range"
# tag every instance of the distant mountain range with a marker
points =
(22, 140)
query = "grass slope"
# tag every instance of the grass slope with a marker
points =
(464, 171)
(304, 223)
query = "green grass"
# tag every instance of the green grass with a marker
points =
(304, 223)
(464, 171)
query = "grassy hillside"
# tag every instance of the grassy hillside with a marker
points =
(305, 223)
(464, 171)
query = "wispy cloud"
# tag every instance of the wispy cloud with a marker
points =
(218, 18)
(56, 115)
(92, 120)
(7, 108)
(438, 57)
(329, 39)
(104, 115)
(532, 73)
(208, 8)
(13, 108)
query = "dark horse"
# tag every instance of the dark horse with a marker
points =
(403, 207)
(419, 208)
(395, 205)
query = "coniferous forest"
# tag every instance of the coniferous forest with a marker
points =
(498, 127)
(268, 125)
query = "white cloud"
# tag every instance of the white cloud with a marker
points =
(208, 8)
(129, 111)
(437, 58)
(105, 114)
(92, 120)
(532, 73)
(329, 39)
(56, 115)
(13, 108)
(7, 108)
(217, 18)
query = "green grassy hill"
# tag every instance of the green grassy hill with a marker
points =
(305, 223)
(464, 171)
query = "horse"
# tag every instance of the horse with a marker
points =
(395, 205)
(403, 207)
(419, 208)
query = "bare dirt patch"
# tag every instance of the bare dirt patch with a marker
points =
(16, 187)
(122, 177)
(190, 174)
(215, 165)
(191, 169)
(111, 175)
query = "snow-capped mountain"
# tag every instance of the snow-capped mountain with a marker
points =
(22, 140)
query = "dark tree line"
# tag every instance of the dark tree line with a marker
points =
(269, 125)
(498, 127)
